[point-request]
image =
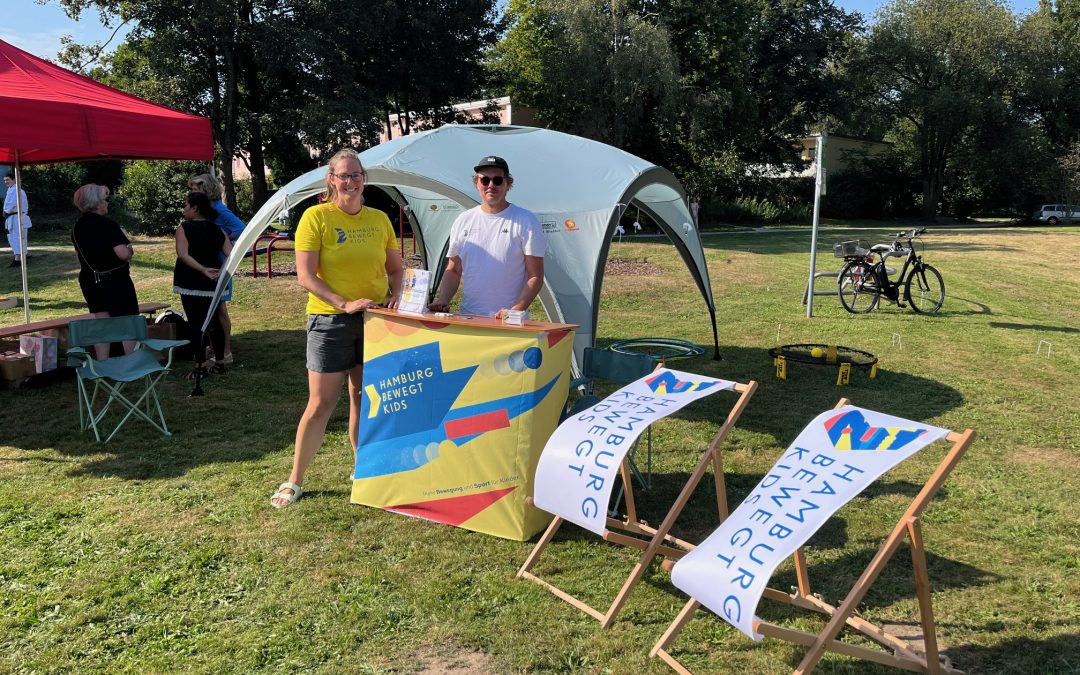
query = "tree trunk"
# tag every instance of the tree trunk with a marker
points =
(929, 199)
(254, 104)
(228, 136)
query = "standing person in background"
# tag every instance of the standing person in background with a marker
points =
(496, 248)
(11, 220)
(233, 227)
(347, 259)
(200, 243)
(104, 253)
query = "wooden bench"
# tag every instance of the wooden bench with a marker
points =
(62, 322)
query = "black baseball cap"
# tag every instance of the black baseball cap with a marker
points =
(492, 161)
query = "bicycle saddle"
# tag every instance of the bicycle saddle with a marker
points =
(881, 248)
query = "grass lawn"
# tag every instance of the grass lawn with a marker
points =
(163, 554)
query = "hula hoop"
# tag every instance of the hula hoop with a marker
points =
(658, 348)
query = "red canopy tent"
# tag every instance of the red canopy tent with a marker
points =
(52, 115)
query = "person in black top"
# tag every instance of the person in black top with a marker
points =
(104, 251)
(199, 245)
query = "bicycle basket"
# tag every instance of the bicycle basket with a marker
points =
(855, 248)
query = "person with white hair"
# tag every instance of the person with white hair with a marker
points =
(104, 253)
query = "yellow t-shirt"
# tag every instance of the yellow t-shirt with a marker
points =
(352, 252)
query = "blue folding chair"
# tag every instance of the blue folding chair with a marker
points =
(110, 376)
(619, 368)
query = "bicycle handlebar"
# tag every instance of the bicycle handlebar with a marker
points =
(907, 234)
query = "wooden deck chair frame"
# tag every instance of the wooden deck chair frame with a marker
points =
(903, 656)
(636, 533)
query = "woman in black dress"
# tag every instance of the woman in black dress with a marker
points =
(104, 251)
(199, 245)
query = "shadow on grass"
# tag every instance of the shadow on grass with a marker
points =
(781, 408)
(833, 579)
(1058, 654)
(245, 414)
(949, 309)
(772, 242)
(1025, 326)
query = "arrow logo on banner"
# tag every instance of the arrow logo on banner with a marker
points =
(414, 405)
(850, 431)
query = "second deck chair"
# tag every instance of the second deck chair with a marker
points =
(902, 655)
(110, 376)
(636, 533)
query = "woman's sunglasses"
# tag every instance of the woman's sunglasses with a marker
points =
(491, 180)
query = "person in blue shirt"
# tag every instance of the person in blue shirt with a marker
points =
(233, 226)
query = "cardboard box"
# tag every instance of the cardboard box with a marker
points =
(42, 348)
(14, 366)
(162, 331)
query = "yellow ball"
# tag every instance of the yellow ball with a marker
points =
(817, 352)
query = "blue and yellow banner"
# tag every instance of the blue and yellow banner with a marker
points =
(454, 417)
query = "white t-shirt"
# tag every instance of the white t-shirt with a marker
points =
(492, 248)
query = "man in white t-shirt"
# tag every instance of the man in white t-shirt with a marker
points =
(496, 250)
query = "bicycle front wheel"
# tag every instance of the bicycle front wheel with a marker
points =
(925, 289)
(859, 290)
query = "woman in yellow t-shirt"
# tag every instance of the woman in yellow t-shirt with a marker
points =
(347, 259)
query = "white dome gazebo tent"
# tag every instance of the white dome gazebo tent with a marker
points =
(578, 188)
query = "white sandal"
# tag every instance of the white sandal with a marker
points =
(281, 494)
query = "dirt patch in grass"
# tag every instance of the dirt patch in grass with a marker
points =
(638, 267)
(283, 269)
(1051, 457)
(457, 661)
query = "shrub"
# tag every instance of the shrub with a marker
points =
(155, 192)
(757, 210)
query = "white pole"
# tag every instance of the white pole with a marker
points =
(819, 188)
(22, 239)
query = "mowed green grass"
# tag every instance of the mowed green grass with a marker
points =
(163, 554)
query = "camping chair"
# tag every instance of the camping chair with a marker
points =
(603, 364)
(903, 655)
(112, 375)
(636, 533)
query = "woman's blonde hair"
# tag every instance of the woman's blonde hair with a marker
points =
(89, 197)
(331, 168)
(208, 185)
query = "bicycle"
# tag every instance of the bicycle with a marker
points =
(862, 282)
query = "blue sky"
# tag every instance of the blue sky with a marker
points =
(37, 28)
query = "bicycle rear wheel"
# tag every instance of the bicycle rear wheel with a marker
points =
(859, 290)
(925, 290)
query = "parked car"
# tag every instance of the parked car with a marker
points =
(1055, 213)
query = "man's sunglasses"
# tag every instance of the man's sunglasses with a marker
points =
(491, 180)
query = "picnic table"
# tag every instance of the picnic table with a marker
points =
(62, 322)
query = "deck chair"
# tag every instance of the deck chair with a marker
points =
(902, 655)
(636, 533)
(111, 376)
(621, 369)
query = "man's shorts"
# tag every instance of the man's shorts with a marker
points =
(335, 342)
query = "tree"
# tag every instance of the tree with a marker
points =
(599, 69)
(276, 76)
(1051, 38)
(699, 86)
(939, 66)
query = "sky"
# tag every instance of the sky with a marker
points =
(37, 28)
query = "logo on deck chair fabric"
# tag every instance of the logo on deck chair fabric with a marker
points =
(667, 383)
(850, 431)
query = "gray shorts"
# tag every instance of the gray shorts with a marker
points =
(335, 342)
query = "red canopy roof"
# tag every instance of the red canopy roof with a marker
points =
(50, 114)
